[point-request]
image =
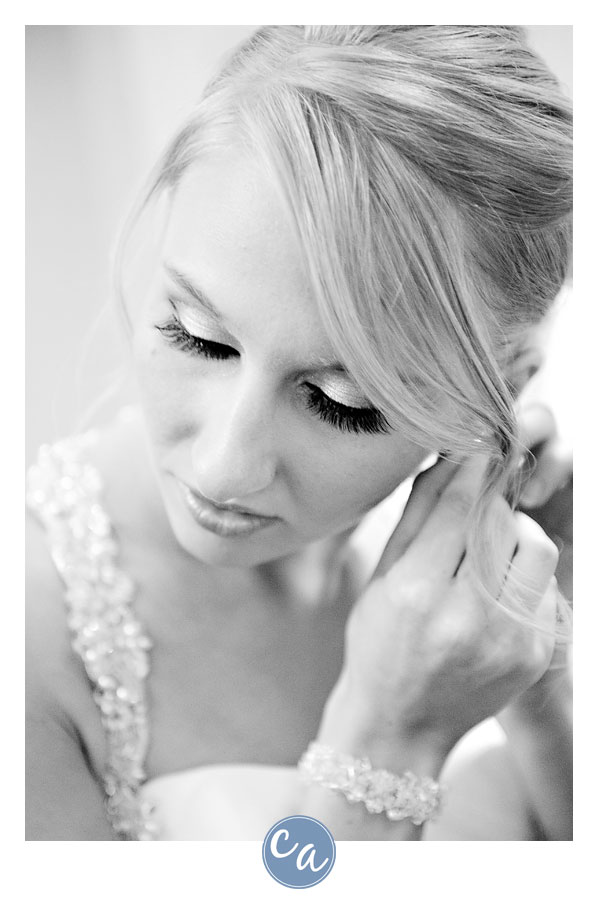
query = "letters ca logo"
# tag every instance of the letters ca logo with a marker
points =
(299, 851)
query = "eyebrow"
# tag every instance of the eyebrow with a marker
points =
(193, 290)
(317, 363)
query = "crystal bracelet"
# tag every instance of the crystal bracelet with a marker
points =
(405, 796)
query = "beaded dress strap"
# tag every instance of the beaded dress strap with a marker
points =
(64, 490)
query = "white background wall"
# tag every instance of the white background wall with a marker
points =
(102, 101)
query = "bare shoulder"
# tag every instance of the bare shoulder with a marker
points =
(53, 672)
(57, 685)
(63, 795)
(65, 741)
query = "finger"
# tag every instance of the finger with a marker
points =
(546, 615)
(554, 465)
(440, 544)
(551, 656)
(426, 491)
(503, 542)
(536, 424)
(532, 566)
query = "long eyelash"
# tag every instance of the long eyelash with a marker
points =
(177, 335)
(346, 418)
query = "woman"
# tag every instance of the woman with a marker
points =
(363, 225)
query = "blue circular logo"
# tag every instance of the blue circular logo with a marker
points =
(299, 851)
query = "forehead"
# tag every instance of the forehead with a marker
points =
(229, 231)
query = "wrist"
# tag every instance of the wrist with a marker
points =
(346, 728)
(545, 704)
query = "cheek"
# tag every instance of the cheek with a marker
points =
(344, 484)
(162, 387)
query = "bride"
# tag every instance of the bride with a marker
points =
(231, 601)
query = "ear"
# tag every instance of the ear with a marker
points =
(524, 365)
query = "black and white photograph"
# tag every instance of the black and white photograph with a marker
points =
(299, 434)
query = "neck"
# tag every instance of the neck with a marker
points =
(311, 576)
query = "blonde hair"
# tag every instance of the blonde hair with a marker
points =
(427, 172)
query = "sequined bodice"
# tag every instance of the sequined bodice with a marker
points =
(65, 492)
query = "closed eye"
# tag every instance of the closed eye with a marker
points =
(366, 419)
(174, 332)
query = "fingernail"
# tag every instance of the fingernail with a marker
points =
(533, 493)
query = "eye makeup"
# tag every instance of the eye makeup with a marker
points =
(341, 415)
(366, 419)
(195, 324)
(180, 331)
(339, 391)
(173, 333)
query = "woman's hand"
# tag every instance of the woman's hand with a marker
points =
(547, 497)
(427, 657)
(547, 494)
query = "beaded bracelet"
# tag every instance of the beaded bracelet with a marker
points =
(406, 796)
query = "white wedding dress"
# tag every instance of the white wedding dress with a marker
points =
(212, 802)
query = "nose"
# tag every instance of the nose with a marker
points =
(233, 451)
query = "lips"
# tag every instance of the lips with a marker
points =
(223, 521)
